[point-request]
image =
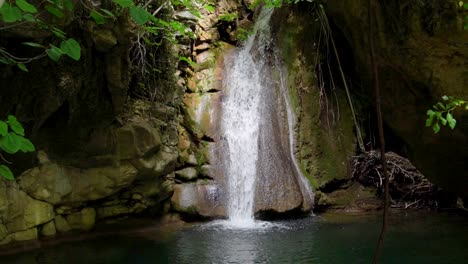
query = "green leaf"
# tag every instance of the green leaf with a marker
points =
(25, 6)
(54, 53)
(6, 173)
(27, 146)
(430, 114)
(436, 128)
(22, 67)
(107, 12)
(124, 3)
(29, 17)
(441, 106)
(445, 98)
(210, 8)
(451, 121)
(10, 13)
(3, 128)
(59, 33)
(33, 44)
(98, 18)
(71, 48)
(465, 5)
(139, 15)
(15, 125)
(54, 11)
(443, 120)
(68, 4)
(460, 3)
(10, 143)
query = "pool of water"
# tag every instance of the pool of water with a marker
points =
(412, 238)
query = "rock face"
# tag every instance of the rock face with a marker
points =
(199, 199)
(324, 130)
(422, 55)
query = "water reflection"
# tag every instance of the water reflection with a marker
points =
(412, 238)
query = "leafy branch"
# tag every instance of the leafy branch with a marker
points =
(12, 140)
(442, 113)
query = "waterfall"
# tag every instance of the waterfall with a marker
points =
(248, 87)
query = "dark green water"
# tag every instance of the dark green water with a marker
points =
(412, 238)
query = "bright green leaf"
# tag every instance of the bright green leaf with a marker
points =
(59, 33)
(451, 121)
(139, 15)
(27, 146)
(15, 125)
(54, 53)
(6, 173)
(124, 3)
(10, 143)
(10, 13)
(71, 48)
(107, 12)
(25, 6)
(443, 120)
(33, 44)
(210, 8)
(3, 128)
(445, 98)
(22, 67)
(436, 128)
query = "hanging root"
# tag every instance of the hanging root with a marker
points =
(408, 187)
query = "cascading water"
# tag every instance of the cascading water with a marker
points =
(248, 97)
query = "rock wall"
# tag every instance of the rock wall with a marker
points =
(102, 153)
(422, 55)
(325, 131)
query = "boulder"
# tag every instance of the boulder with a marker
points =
(48, 229)
(30, 234)
(137, 139)
(187, 174)
(61, 224)
(199, 199)
(83, 220)
(158, 164)
(59, 184)
(23, 212)
(203, 112)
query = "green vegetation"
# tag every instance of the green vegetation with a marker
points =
(16, 13)
(442, 113)
(12, 140)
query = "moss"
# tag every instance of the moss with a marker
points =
(325, 135)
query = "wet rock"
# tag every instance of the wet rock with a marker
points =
(186, 15)
(187, 174)
(61, 224)
(30, 234)
(83, 220)
(203, 111)
(198, 199)
(48, 229)
(158, 164)
(112, 211)
(23, 212)
(137, 139)
(59, 184)
(104, 39)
